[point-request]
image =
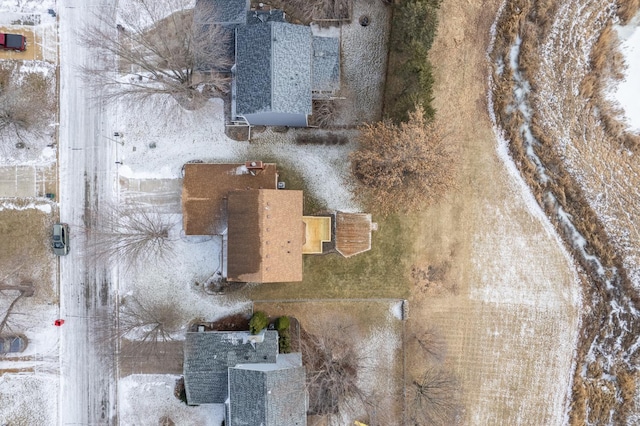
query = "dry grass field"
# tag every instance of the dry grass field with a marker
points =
(490, 274)
(590, 166)
(25, 254)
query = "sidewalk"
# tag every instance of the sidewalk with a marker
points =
(27, 181)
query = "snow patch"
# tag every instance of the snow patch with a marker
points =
(626, 92)
(43, 206)
(145, 399)
(48, 153)
(396, 310)
(319, 31)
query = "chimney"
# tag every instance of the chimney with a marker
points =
(254, 165)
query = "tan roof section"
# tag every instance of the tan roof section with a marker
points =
(205, 188)
(353, 233)
(317, 230)
(266, 234)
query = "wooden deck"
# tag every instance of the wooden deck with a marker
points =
(317, 231)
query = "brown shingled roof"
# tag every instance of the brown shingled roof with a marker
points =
(353, 233)
(205, 188)
(266, 234)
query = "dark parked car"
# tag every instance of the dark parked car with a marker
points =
(11, 344)
(61, 239)
(13, 42)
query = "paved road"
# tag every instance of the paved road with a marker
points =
(88, 392)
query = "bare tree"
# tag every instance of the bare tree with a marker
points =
(139, 327)
(402, 167)
(25, 102)
(162, 48)
(332, 365)
(434, 399)
(131, 234)
(13, 293)
(152, 322)
(431, 343)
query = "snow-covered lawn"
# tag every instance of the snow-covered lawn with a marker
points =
(28, 399)
(35, 145)
(157, 147)
(146, 399)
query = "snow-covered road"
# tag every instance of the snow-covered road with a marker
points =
(87, 178)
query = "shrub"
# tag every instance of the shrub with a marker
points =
(416, 23)
(410, 77)
(402, 167)
(179, 390)
(282, 323)
(284, 341)
(258, 322)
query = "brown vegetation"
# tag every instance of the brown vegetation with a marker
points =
(402, 167)
(594, 397)
(305, 12)
(607, 65)
(324, 113)
(627, 10)
(332, 362)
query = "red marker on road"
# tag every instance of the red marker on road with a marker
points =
(58, 322)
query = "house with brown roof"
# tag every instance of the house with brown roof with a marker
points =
(266, 235)
(205, 188)
(262, 227)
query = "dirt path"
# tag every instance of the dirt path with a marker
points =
(491, 275)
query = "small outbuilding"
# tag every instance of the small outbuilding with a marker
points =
(353, 233)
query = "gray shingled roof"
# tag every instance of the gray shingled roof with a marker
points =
(268, 394)
(208, 356)
(226, 12)
(273, 68)
(326, 64)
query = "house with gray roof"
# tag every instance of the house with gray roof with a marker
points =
(245, 372)
(268, 394)
(279, 67)
(208, 356)
(271, 80)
